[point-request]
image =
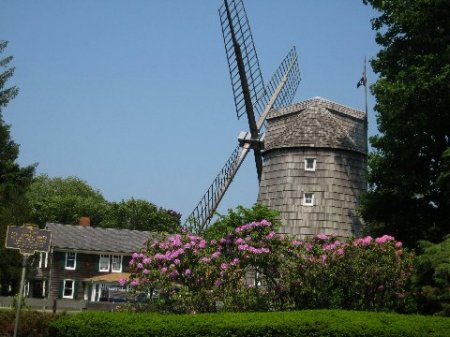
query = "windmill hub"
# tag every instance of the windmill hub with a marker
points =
(255, 143)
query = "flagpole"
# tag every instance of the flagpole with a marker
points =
(365, 88)
(365, 106)
(363, 81)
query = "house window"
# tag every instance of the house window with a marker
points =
(116, 263)
(308, 199)
(104, 263)
(310, 164)
(68, 288)
(71, 260)
(43, 260)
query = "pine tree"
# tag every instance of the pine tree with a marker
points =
(14, 181)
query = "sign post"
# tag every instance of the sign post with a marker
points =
(28, 239)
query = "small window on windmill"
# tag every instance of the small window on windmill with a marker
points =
(308, 199)
(310, 164)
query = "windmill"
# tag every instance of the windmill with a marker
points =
(251, 97)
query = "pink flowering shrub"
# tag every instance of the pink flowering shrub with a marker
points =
(251, 279)
(181, 269)
(254, 268)
(359, 274)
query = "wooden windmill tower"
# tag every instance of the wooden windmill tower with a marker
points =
(252, 98)
(315, 162)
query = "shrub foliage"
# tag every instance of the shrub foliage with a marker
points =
(255, 269)
(432, 277)
(32, 323)
(301, 323)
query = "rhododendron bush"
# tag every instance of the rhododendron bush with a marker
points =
(254, 268)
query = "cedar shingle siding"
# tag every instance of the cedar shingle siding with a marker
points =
(336, 137)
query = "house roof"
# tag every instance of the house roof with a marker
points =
(317, 122)
(87, 238)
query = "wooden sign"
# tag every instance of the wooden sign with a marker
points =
(28, 239)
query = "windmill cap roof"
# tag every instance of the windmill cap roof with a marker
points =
(317, 122)
(317, 101)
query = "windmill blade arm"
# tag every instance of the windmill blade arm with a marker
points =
(282, 87)
(202, 214)
(238, 39)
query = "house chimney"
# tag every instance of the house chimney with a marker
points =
(85, 221)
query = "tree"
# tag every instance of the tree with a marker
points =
(405, 198)
(14, 181)
(64, 200)
(141, 215)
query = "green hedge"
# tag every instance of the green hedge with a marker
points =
(32, 323)
(336, 323)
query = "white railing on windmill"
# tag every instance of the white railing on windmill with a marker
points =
(250, 97)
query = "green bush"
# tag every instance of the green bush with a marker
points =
(296, 323)
(32, 323)
(432, 277)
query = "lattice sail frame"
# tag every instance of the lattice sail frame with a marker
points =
(202, 214)
(287, 74)
(239, 30)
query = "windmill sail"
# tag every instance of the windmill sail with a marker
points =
(199, 219)
(236, 31)
(281, 89)
(279, 92)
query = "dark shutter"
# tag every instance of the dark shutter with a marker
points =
(75, 289)
(60, 289)
(126, 264)
(62, 257)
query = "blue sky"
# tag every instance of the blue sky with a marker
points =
(134, 97)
